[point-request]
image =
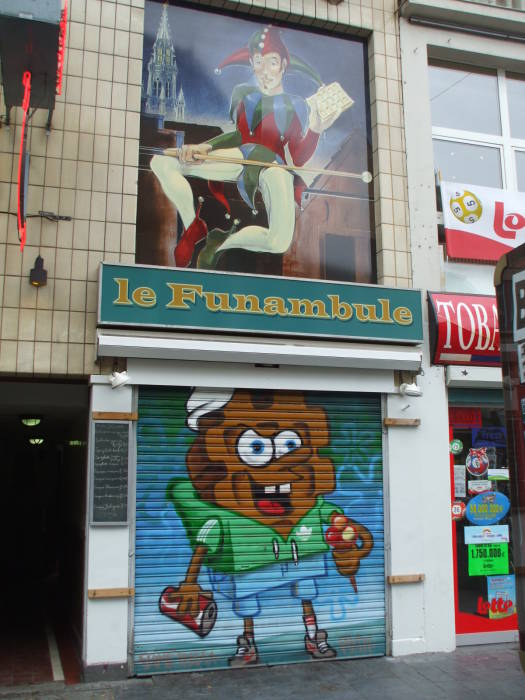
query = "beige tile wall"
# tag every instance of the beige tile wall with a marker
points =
(86, 168)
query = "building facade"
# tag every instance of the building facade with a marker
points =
(246, 416)
(462, 65)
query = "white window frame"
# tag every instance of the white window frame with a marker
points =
(504, 141)
(470, 142)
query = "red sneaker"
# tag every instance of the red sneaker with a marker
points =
(246, 653)
(319, 648)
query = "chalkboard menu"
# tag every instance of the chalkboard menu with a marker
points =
(109, 502)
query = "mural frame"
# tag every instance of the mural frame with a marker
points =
(342, 248)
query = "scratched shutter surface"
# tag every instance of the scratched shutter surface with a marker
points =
(251, 569)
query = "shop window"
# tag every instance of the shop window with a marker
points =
(484, 572)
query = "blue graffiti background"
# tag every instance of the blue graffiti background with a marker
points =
(355, 621)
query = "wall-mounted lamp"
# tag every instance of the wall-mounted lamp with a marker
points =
(410, 389)
(118, 379)
(30, 421)
(38, 276)
(36, 441)
(334, 2)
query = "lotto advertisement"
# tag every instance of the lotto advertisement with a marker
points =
(481, 223)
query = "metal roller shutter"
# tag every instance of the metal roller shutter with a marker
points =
(273, 497)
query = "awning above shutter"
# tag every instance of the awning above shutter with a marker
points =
(259, 350)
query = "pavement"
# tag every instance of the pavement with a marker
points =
(483, 672)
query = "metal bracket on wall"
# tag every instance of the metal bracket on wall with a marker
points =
(405, 578)
(114, 415)
(110, 593)
(402, 422)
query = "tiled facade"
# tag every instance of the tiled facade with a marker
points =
(86, 168)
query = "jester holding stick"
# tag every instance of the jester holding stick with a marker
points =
(268, 120)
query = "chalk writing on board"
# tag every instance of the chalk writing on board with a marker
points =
(110, 473)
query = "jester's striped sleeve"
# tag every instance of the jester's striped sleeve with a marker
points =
(232, 139)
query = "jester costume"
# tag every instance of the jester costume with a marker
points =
(267, 120)
(265, 124)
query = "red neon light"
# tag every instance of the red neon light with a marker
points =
(26, 82)
(61, 48)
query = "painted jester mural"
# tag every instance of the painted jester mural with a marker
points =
(275, 134)
(254, 512)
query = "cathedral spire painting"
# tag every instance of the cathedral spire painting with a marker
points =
(162, 95)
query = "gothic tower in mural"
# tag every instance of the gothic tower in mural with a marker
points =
(161, 95)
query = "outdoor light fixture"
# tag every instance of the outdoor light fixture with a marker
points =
(410, 389)
(118, 379)
(30, 421)
(38, 276)
(36, 441)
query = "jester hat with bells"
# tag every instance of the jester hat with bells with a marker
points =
(265, 41)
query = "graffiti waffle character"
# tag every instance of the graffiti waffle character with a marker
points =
(254, 510)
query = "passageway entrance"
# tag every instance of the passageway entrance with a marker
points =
(43, 430)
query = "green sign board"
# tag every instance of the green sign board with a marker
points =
(488, 559)
(141, 296)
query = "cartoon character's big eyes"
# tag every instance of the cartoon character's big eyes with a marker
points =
(254, 449)
(285, 442)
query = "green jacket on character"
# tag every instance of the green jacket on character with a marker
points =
(236, 543)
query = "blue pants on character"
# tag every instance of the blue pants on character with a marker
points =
(244, 589)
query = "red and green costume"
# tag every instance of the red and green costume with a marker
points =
(265, 125)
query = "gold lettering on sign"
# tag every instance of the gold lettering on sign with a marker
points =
(305, 308)
(217, 301)
(275, 306)
(332, 307)
(340, 309)
(182, 293)
(242, 304)
(123, 291)
(403, 316)
(144, 296)
(365, 312)
(385, 311)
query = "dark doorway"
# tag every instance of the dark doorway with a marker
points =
(42, 525)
